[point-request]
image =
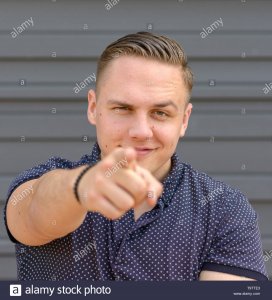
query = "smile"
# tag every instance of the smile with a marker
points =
(143, 152)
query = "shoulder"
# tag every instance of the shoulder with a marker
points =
(53, 163)
(213, 193)
(203, 182)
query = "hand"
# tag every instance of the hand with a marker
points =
(117, 184)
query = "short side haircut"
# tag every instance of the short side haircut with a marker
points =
(147, 45)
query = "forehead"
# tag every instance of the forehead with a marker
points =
(140, 68)
(142, 75)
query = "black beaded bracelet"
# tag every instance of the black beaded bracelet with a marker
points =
(78, 180)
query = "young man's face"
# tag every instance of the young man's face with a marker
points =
(141, 104)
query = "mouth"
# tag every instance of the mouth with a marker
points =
(143, 152)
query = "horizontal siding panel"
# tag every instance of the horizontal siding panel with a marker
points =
(263, 210)
(22, 155)
(59, 72)
(7, 260)
(51, 72)
(46, 126)
(36, 106)
(3, 233)
(4, 184)
(233, 106)
(233, 72)
(6, 248)
(56, 125)
(65, 92)
(268, 265)
(249, 16)
(256, 188)
(267, 245)
(232, 80)
(218, 125)
(90, 45)
(42, 93)
(8, 268)
(232, 91)
(218, 106)
(236, 157)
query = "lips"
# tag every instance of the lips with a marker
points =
(143, 151)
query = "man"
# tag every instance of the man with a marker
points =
(132, 210)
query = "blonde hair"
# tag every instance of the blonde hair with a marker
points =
(148, 45)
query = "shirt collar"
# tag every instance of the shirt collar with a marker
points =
(170, 182)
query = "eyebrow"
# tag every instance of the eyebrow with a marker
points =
(161, 105)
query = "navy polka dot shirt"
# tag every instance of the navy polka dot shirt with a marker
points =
(198, 224)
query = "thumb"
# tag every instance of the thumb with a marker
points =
(131, 158)
(127, 156)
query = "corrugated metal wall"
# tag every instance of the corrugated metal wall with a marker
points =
(230, 133)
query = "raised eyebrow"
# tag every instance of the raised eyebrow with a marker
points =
(160, 105)
(165, 104)
(117, 102)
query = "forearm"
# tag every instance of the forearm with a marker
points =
(53, 210)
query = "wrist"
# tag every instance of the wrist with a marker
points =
(78, 180)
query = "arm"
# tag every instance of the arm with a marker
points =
(216, 276)
(236, 249)
(51, 211)
(36, 219)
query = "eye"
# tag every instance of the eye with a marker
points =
(161, 114)
(120, 108)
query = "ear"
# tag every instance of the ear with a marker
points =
(92, 107)
(186, 117)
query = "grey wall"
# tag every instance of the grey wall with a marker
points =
(230, 133)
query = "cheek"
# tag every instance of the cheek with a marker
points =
(166, 133)
(109, 127)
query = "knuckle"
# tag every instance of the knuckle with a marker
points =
(99, 180)
(141, 194)
(128, 204)
(116, 154)
(141, 184)
(107, 163)
(89, 199)
(89, 195)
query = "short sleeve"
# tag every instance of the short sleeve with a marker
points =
(236, 247)
(34, 173)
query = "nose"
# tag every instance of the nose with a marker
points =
(141, 128)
